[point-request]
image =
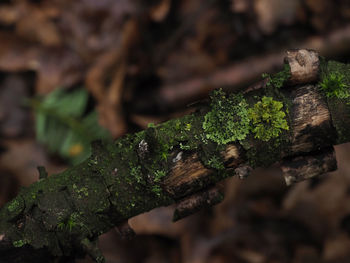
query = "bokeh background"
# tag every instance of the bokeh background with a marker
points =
(74, 71)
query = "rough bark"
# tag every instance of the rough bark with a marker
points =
(180, 161)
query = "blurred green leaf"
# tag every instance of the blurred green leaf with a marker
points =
(63, 127)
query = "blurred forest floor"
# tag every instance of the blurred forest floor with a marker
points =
(147, 61)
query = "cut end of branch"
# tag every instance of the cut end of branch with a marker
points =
(304, 66)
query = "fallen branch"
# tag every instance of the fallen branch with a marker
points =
(292, 119)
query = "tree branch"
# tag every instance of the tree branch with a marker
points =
(292, 118)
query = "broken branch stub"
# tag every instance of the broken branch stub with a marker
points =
(304, 66)
(196, 202)
(305, 167)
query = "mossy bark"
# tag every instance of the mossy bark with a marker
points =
(58, 216)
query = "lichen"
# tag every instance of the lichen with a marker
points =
(267, 119)
(227, 121)
(333, 85)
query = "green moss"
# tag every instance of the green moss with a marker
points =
(19, 243)
(73, 221)
(158, 176)
(216, 163)
(227, 121)
(267, 118)
(133, 169)
(164, 138)
(157, 190)
(333, 85)
(184, 147)
(278, 80)
(13, 206)
(82, 192)
(61, 225)
(136, 172)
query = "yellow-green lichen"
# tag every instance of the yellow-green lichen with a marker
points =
(227, 121)
(267, 119)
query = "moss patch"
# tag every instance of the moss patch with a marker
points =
(228, 119)
(216, 163)
(13, 206)
(19, 243)
(279, 79)
(333, 85)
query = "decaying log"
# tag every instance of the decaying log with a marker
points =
(180, 161)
